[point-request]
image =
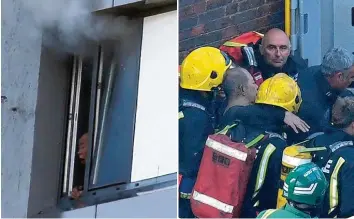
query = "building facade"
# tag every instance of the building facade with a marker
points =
(113, 95)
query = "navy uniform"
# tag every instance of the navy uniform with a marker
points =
(339, 171)
(318, 97)
(201, 73)
(264, 117)
(195, 125)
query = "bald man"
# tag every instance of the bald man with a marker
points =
(273, 55)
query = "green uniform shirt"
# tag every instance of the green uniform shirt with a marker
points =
(285, 212)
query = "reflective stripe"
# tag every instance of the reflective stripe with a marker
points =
(256, 204)
(226, 149)
(254, 141)
(305, 191)
(185, 195)
(263, 168)
(192, 104)
(212, 202)
(285, 187)
(180, 115)
(268, 213)
(333, 186)
(234, 44)
(260, 34)
(294, 161)
(341, 144)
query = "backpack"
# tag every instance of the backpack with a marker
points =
(224, 172)
(240, 50)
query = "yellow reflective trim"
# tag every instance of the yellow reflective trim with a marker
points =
(256, 204)
(180, 115)
(234, 44)
(333, 186)
(254, 141)
(184, 195)
(262, 171)
(224, 131)
(268, 213)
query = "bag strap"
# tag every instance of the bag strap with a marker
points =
(250, 144)
(226, 129)
(255, 141)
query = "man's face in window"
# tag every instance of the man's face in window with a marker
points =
(83, 145)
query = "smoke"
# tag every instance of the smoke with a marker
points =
(69, 25)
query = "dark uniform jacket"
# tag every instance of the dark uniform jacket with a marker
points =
(262, 188)
(194, 128)
(318, 98)
(339, 171)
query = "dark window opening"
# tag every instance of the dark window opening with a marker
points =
(353, 16)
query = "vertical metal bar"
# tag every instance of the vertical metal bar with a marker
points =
(98, 99)
(74, 132)
(302, 27)
(105, 109)
(69, 130)
(93, 97)
(293, 36)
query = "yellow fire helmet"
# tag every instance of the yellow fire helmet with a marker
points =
(203, 69)
(280, 90)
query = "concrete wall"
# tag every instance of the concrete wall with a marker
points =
(211, 22)
(20, 73)
(50, 123)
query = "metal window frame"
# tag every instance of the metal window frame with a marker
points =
(115, 191)
(118, 192)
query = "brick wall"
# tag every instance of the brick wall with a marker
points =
(212, 22)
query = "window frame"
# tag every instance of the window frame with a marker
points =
(93, 196)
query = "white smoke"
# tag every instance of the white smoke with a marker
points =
(70, 25)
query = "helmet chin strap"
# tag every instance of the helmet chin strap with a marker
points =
(214, 93)
(313, 211)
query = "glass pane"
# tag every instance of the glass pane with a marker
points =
(112, 157)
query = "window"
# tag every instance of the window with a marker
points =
(123, 102)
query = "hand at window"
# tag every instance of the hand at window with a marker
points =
(76, 193)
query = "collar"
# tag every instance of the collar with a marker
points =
(193, 96)
(330, 93)
(339, 135)
(268, 71)
(296, 211)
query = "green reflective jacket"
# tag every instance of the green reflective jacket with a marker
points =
(285, 212)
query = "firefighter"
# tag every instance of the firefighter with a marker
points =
(240, 90)
(304, 189)
(201, 74)
(320, 87)
(273, 55)
(338, 162)
(277, 92)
